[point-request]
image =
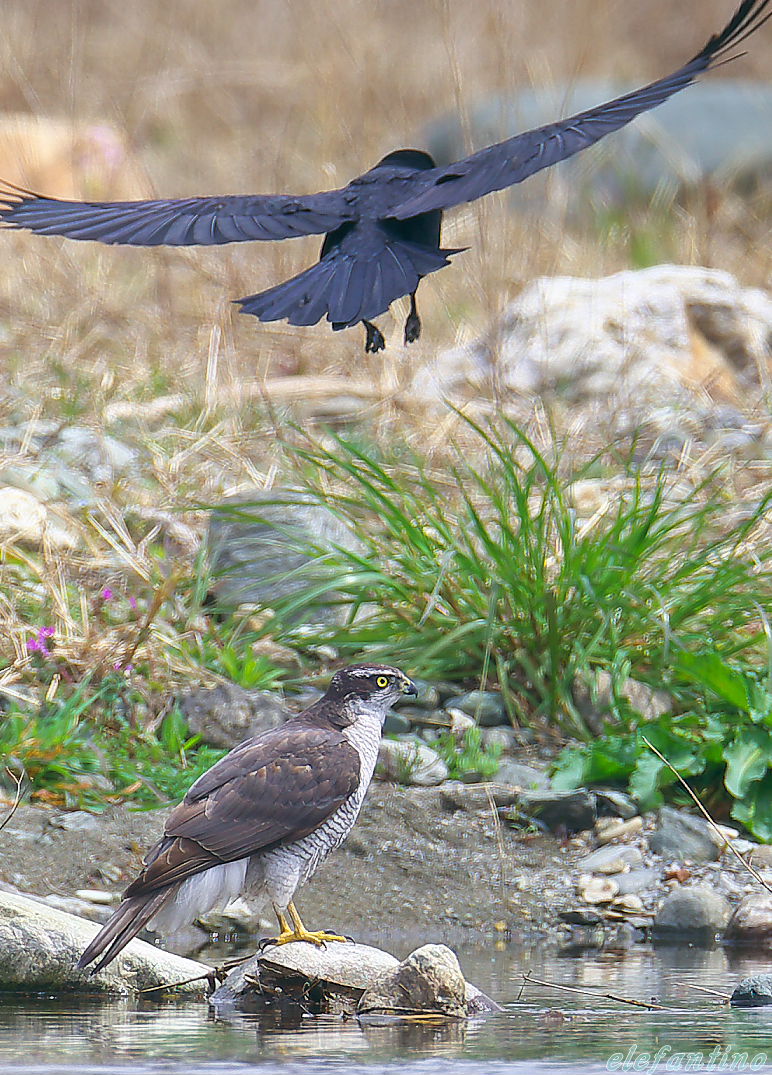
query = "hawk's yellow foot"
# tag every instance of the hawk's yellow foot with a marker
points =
(298, 932)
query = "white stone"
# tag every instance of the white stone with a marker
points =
(24, 519)
(40, 945)
(670, 327)
(409, 761)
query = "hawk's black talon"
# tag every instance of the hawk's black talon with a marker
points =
(345, 936)
(375, 341)
(266, 942)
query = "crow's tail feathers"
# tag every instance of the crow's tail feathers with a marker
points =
(346, 288)
(134, 913)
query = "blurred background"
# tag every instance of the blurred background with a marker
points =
(103, 99)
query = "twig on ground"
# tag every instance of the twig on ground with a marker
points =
(743, 862)
(18, 779)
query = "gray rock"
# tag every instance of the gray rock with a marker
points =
(428, 980)
(753, 992)
(581, 916)
(428, 696)
(74, 820)
(457, 795)
(264, 547)
(396, 723)
(410, 762)
(572, 811)
(611, 859)
(594, 697)
(487, 707)
(519, 775)
(331, 979)
(751, 922)
(636, 881)
(692, 915)
(503, 738)
(683, 837)
(761, 857)
(716, 131)
(40, 945)
(227, 714)
(417, 717)
(612, 803)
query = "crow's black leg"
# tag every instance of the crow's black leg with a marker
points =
(413, 322)
(375, 341)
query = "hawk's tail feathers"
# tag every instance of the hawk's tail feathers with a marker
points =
(346, 288)
(134, 913)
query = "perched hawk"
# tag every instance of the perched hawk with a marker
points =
(382, 231)
(262, 819)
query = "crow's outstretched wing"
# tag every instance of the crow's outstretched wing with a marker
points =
(513, 160)
(176, 222)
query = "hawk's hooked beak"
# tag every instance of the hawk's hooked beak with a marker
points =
(409, 687)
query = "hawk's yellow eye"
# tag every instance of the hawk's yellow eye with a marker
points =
(382, 681)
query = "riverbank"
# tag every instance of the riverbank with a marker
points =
(425, 864)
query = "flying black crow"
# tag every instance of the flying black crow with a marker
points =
(382, 231)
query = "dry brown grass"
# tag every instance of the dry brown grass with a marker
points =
(284, 95)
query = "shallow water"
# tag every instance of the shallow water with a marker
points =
(540, 1030)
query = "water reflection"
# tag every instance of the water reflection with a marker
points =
(540, 1023)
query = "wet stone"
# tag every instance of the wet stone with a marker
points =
(753, 992)
(692, 915)
(581, 916)
(396, 723)
(751, 922)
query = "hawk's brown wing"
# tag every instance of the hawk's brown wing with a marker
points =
(275, 788)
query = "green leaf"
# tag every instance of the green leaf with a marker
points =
(712, 672)
(747, 760)
(755, 810)
(645, 780)
(569, 769)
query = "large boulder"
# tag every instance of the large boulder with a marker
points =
(265, 546)
(40, 945)
(353, 978)
(675, 329)
(226, 714)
